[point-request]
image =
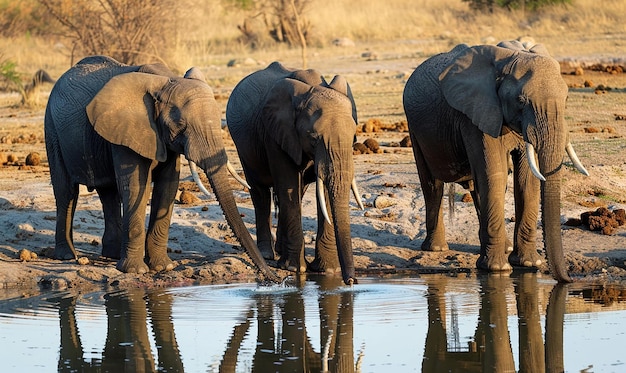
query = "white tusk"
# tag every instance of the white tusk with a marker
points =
(572, 155)
(321, 199)
(194, 173)
(357, 195)
(532, 161)
(233, 172)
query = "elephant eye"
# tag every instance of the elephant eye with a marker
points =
(524, 100)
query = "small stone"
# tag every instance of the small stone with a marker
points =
(26, 255)
(33, 159)
(188, 198)
(405, 142)
(382, 202)
(83, 260)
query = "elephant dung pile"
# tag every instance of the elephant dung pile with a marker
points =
(602, 219)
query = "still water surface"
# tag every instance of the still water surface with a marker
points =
(430, 323)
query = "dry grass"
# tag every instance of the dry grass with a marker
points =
(207, 33)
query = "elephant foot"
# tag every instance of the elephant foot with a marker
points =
(267, 251)
(493, 265)
(161, 263)
(434, 245)
(320, 266)
(298, 266)
(528, 259)
(63, 253)
(130, 265)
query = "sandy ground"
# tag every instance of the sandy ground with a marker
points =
(386, 235)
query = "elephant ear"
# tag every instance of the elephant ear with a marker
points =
(195, 73)
(340, 84)
(123, 113)
(157, 69)
(469, 86)
(279, 116)
(540, 49)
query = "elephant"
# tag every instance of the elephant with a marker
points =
(474, 112)
(291, 128)
(119, 129)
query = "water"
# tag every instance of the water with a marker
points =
(431, 323)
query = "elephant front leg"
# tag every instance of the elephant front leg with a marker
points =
(262, 201)
(526, 188)
(165, 176)
(489, 164)
(112, 238)
(66, 198)
(326, 255)
(133, 174)
(290, 238)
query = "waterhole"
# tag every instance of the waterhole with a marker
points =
(431, 323)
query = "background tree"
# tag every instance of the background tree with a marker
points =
(522, 5)
(126, 30)
(282, 20)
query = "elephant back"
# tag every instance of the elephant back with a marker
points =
(422, 90)
(66, 121)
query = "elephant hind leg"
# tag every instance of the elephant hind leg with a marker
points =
(66, 198)
(433, 195)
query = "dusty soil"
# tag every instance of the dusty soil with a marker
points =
(386, 235)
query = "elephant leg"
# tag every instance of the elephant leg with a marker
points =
(289, 235)
(326, 255)
(112, 238)
(134, 177)
(165, 176)
(526, 188)
(433, 195)
(476, 199)
(489, 163)
(262, 201)
(66, 196)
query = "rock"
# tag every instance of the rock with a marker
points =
(372, 145)
(33, 159)
(188, 198)
(406, 142)
(382, 202)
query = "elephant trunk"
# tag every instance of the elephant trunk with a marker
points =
(336, 171)
(551, 218)
(211, 157)
(550, 157)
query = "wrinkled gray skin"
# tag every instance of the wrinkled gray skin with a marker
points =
(290, 127)
(118, 129)
(470, 112)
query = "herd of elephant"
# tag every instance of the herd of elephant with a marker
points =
(474, 115)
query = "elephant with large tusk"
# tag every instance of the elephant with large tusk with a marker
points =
(120, 129)
(468, 110)
(292, 128)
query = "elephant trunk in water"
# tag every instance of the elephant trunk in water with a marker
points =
(214, 165)
(550, 153)
(335, 170)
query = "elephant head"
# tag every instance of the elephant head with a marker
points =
(527, 96)
(153, 114)
(316, 124)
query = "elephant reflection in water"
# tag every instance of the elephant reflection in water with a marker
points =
(491, 348)
(127, 346)
(290, 348)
